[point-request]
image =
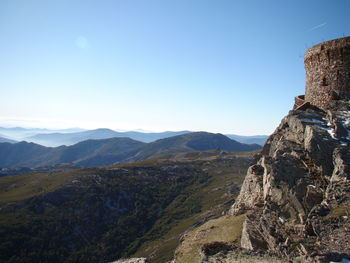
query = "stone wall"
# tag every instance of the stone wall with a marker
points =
(298, 101)
(327, 68)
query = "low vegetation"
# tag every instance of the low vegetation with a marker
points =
(224, 229)
(101, 214)
(211, 200)
(91, 153)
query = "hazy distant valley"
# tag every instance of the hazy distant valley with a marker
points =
(100, 151)
(54, 138)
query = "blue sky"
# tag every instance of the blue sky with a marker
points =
(220, 66)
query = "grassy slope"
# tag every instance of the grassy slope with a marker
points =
(226, 174)
(20, 187)
(193, 205)
(86, 153)
(94, 220)
(196, 141)
(223, 229)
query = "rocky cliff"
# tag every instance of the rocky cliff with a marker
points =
(295, 198)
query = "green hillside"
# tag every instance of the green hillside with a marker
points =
(196, 141)
(86, 153)
(101, 214)
(115, 150)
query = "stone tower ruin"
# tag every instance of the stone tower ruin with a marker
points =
(327, 68)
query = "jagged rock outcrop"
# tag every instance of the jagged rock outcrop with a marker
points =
(297, 194)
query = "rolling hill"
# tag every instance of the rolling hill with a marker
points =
(70, 138)
(258, 139)
(102, 214)
(151, 136)
(19, 133)
(54, 138)
(114, 150)
(4, 139)
(87, 153)
(57, 139)
(195, 141)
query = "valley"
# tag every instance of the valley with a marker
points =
(67, 137)
(101, 214)
(91, 153)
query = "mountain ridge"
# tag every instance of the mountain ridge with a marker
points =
(58, 139)
(109, 151)
(4, 139)
(54, 138)
(197, 141)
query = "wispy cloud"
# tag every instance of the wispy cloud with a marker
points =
(317, 27)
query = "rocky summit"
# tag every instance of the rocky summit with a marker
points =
(295, 198)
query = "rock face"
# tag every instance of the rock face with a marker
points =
(296, 195)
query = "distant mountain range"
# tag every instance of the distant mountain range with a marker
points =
(19, 133)
(57, 139)
(54, 138)
(113, 150)
(4, 139)
(258, 139)
(195, 141)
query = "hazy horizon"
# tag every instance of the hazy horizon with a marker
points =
(229, 67)
(36, 125)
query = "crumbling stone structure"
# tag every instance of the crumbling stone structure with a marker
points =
(327, 68)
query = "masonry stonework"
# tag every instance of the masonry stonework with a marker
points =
(327, 68)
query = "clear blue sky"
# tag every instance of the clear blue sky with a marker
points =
(220, 65)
